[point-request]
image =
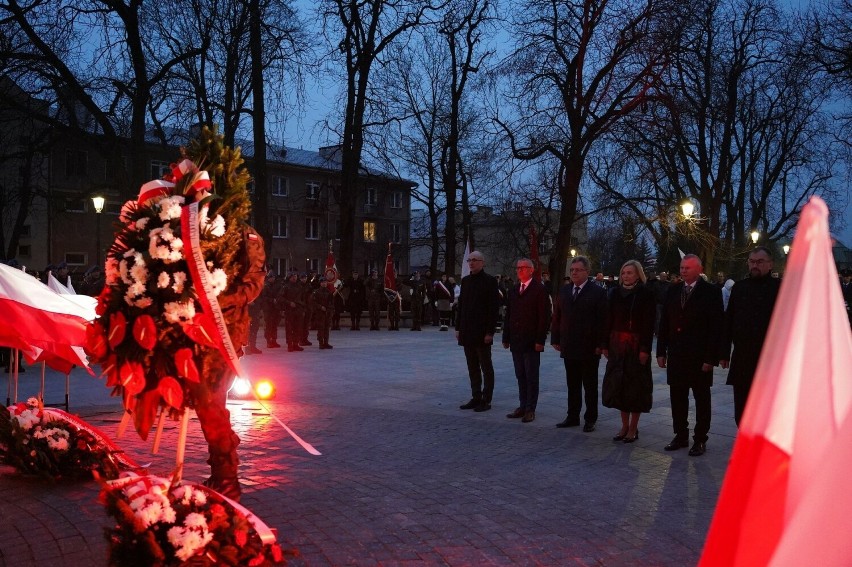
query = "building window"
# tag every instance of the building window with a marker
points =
(396, 200)
(312, 265)
(25, 230)
(312, 190)
(369, 266)
(75, 258)
(369, 231)
(280, 226)
(112, 208)
(396, 233)
(279, 266)
(372, 196)
(73, 205)
(24, 250)
(159, 168)
(312, 228)
(280, 186)
(76, 162)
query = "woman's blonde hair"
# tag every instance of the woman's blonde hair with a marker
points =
(637, 266)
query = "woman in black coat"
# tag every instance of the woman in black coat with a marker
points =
(627, 384)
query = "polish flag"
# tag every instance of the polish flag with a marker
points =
(39, 322)
(390, 277)
(784, 500)
(331, 274)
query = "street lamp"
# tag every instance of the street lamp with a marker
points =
(786, 249)
(755, 236)
(687, 207)
(573, 253)
(98, 202)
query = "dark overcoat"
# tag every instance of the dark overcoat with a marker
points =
(527, 317)
(478, 306)
(746, 323)
(579, 327)
(689, 335)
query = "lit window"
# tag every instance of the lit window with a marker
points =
(369, 231)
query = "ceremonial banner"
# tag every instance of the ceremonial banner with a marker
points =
(331, 274)
(465, 270)
(784, 500)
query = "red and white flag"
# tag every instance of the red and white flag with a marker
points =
(39, 322)
(390, 275)
(784, 500)
(331, 274)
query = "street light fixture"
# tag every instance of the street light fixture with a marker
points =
(755, 236)
(98, 202)
(687, 207)
(786, 249)
(573, 253)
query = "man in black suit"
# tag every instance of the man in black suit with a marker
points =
(477, 320)
(746, 324)
(578, 332)
(525, 332)
(688, 346)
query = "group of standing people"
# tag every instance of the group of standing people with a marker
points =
(587, 321)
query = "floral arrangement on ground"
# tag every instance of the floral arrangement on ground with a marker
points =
(163, 523)
(153, 340)
(40, 442)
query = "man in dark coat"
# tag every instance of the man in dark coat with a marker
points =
(688, 346)
(525, 332)
(478, 304)
(294, 308)
(355, 300)
(746, 323)
(578, 332)
(419, 299)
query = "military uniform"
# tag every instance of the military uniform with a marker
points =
(375, 294)
(209, 396)
(323, 302)
(355, 301)
(418, 296)
(291, 300)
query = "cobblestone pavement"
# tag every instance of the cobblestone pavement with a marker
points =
(405, 477)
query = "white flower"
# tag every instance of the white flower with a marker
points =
(218, 281)
(27, 419)
(218, 226)
(180, 279)
(199, 497)
(195, 520)
(179, 312)
(60, 444)
(163, 280)
(32, 402)
(170, 207)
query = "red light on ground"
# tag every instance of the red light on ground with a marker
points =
(264, 390)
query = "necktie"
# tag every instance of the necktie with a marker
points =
(576, 292)
(685, 295)
(523, 287)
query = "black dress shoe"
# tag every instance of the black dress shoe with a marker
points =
(568, 422)
(588, 427)
(631, 439)
(677, 444)
(484, 406)
(698, 449)
(472, 404)
(620, 436)
(528, 417)
(518, 413)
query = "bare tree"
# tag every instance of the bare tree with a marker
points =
(578, 69)
(367, 28)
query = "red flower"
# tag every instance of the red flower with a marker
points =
(110, 369)
(171, 392)
(117, 328)
(96, 341)
(131, 375)
(145, 331)
(186, 365)
(201, 330)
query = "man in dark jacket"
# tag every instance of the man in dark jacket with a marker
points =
(578, 333)
(688, 346)
(478, 304)
(746, 323)
(525, 332)
(355, 300)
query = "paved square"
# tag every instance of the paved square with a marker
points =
(406, 478)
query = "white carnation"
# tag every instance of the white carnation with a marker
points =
(163, 280)
(218, 281)
(217, 228)
(179, 312)
(170, 207)
(180, 279)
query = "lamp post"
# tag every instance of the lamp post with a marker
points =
(687, 207)
(786, 249)
(755, 236)
(98, 202)
(573, 253)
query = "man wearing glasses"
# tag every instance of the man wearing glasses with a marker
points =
(525, 332)
(746, 324)
(475, 325)
(578, 332)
